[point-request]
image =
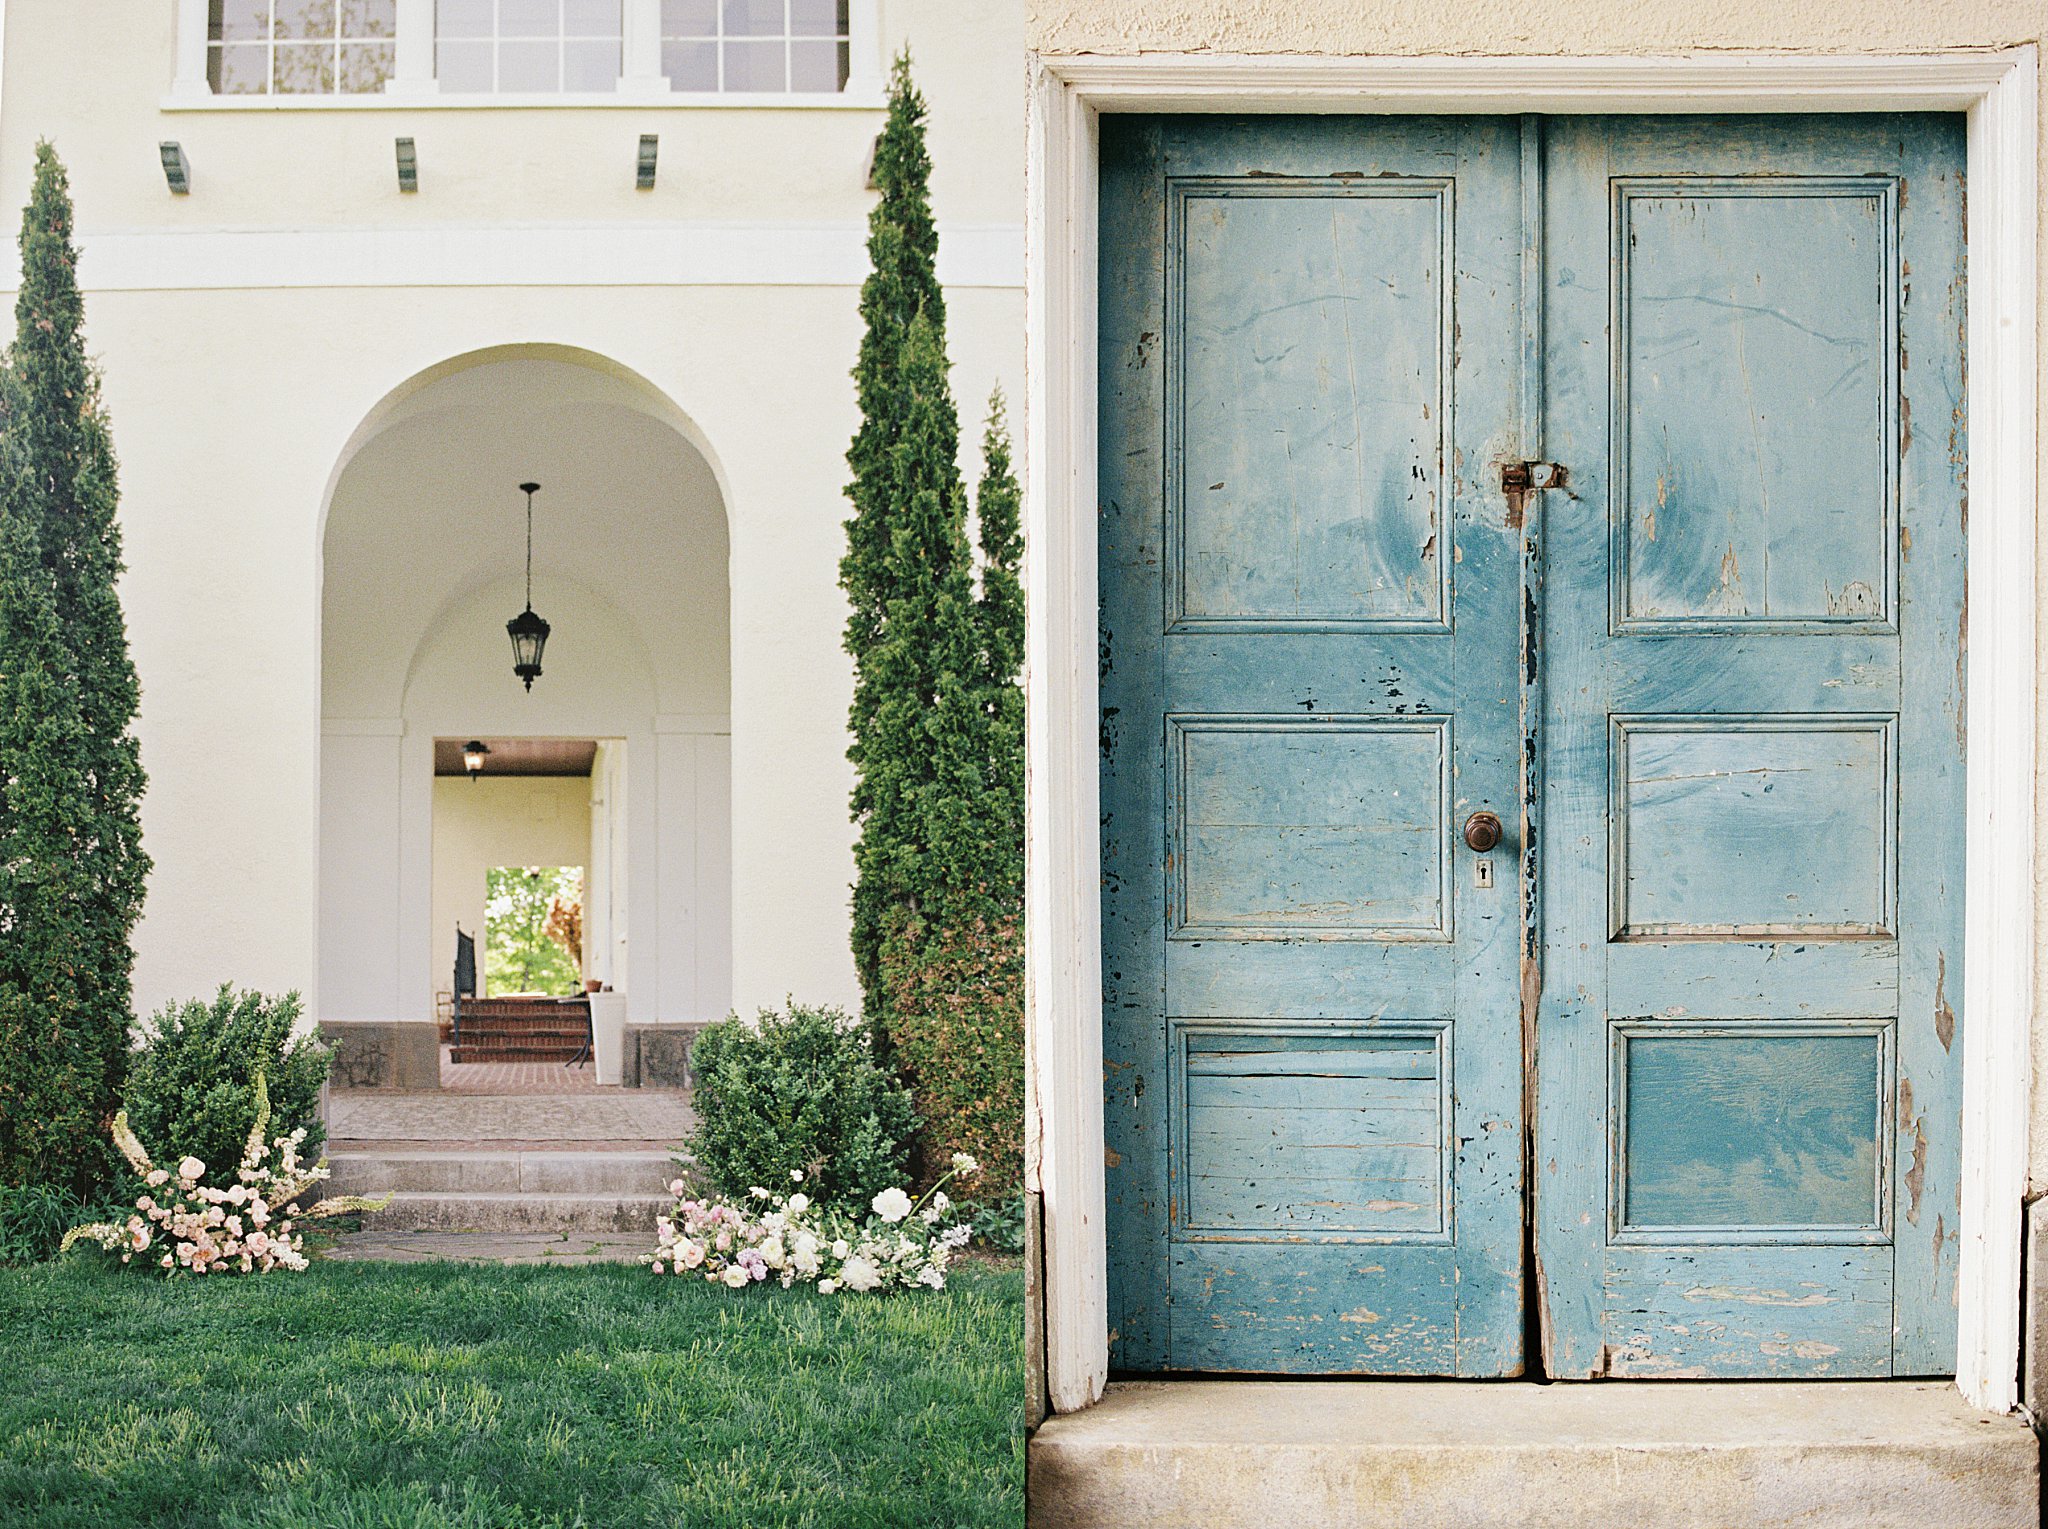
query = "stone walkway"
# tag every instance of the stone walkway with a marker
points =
(630, 1119)
(487, 1248)
(518, 1077)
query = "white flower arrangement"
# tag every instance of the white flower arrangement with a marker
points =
(791, 1239)
(245, 1228)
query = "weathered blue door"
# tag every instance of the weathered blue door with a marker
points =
(1676, 1035)
(1309, 616)
(1750, 1076)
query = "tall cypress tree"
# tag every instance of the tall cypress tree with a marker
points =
(903, 282)
(937, 716)
(1000, 617)
(72, 867)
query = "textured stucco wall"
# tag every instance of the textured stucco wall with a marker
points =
(1524, 26)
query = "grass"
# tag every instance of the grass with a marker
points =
(436, 1396)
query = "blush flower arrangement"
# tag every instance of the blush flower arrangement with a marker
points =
(201, 1228)
(900, 1243)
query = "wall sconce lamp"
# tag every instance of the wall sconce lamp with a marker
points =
(643, 176)
(408, 166)
(473, 755)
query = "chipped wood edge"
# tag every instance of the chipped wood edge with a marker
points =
(1067, 93)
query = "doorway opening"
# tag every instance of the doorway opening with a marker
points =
(529, 897)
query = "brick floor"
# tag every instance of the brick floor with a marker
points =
(518, 1077)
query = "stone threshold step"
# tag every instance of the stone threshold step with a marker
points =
(413, 1210)
(564, 1053)
(1477, 1455)
(338, 1145)
(542, 1170)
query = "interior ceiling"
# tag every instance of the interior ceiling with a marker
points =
(428, 513)
(520, 756)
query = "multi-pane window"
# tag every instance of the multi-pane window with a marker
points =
(512, 46)
(299, 47)
(754, 45)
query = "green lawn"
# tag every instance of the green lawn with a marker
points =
(418, 1396)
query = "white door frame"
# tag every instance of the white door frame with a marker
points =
(1068, 94)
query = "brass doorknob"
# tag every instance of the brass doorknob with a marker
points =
(1482, 831)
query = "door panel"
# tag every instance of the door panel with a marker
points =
(1753, 814)
(1711, 681)
(1309, 609)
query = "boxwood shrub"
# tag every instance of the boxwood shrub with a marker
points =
(797, 1089)
(192, 1080)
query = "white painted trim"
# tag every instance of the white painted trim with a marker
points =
(412, 72)
(1063, 911)
(538, 255)
(188, 69)
(1064, 1001)
(1998, 942)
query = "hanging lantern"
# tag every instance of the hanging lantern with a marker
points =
(473, 753)
(529, 633)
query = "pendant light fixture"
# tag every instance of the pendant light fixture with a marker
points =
(529, 633)
(473, 755)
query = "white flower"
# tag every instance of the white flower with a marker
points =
(192, 1169)
(735, 1277)
(859, 1274)
(965, 1165)
(796, 1175)
(892, 1205)
(798, 1204)
(758, 1192)
(932, 1278)
(675, 1187)
(806, 1245)
(772, 1253)
(840, 1249)
(689, 1254)
(156, 1177)
(828, 1286)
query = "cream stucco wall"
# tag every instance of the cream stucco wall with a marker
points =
(513, 820)
(1583, 27)
(253, 333)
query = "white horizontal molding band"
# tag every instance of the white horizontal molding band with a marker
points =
(549, 255)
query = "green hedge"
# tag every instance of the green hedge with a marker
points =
(798, 1090)
(192, 1085)
(955, 997)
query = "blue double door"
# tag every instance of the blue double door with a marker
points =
(1531, 665)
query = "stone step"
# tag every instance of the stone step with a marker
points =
(1487, 1455)
(412, 1211)
(370, 1172)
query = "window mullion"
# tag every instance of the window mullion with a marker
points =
(412, 71)
(640, 46)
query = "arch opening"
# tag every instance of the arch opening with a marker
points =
(423, 549)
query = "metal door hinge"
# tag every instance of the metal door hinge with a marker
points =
(1518, 480)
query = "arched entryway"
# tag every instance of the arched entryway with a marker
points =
(423, 552)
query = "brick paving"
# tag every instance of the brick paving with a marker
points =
(517, 1077)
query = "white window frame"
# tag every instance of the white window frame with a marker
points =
(641, 83)
(1063, 911)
